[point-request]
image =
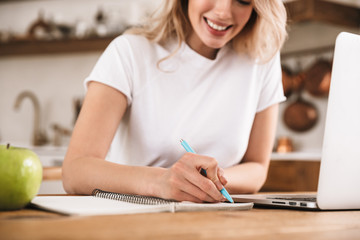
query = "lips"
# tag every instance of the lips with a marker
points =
(215, 26)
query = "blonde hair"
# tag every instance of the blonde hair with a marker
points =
(261, 38)
(265, 33)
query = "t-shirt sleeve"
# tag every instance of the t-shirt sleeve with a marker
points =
(114, 68)
(272, 89)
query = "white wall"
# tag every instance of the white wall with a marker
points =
(57, 79)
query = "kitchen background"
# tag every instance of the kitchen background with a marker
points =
(55, 76)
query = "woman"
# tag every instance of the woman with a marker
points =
(207, 71)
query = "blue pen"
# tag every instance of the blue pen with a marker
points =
(203, 171)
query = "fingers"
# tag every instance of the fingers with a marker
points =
(204, 188)
(193, 191)
(185, 183)
(184, 196)
(180, 185)
(210, 185)
(221, 176)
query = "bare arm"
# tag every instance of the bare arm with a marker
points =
(85, 168)
(251, 173)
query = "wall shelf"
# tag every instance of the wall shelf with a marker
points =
(31, 47)
(324, 11)
(298, 11)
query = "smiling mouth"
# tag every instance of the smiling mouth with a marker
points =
(215, 26)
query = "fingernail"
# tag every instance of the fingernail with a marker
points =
(224, 179)
(219, 185)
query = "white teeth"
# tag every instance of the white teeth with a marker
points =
(214, 26)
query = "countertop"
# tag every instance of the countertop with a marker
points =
(303, 155)
(51, 156)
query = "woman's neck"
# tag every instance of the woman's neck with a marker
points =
(198, 46)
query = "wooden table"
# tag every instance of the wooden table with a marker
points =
(257, 223)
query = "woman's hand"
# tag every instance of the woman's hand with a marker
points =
(183, 181)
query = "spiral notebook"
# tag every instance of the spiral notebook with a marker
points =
(109, 203)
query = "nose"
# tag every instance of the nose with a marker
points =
(223, 9)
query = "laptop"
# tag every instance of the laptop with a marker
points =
(339, 179)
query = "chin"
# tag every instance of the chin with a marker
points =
(215, 45)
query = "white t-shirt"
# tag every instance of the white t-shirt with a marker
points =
(209, 103)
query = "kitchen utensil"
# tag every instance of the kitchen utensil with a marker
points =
(291, 82)
(284, 145)
(300, 115)
(287, 81)
(317, 78)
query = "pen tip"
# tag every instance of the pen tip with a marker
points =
(181, 140)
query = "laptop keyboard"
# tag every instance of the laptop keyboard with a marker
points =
(305, 199)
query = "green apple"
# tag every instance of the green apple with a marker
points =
(20, 177)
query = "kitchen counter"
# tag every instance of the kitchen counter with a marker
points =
(50, 156)
(53, 156)
(304, 155)
(294, 171)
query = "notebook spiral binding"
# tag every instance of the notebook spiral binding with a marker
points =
(138, 199)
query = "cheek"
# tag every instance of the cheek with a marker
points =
(242, 17)
(192, 12)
